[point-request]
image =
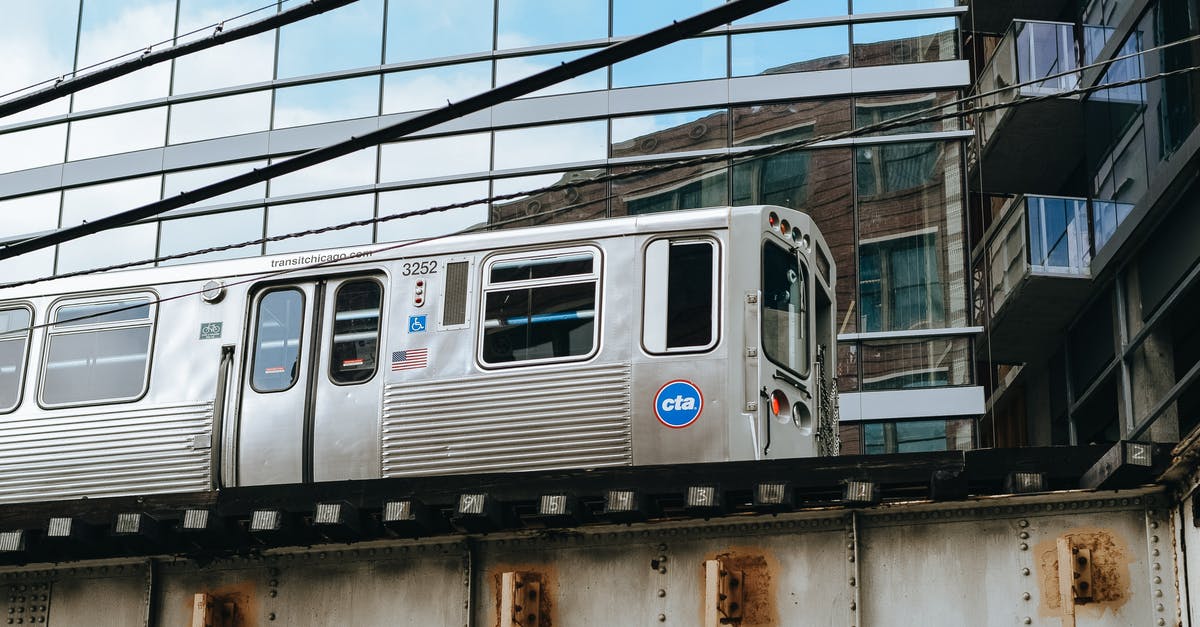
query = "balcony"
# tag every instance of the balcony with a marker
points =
(1031, 274)
(1032, 147)
(993, 16)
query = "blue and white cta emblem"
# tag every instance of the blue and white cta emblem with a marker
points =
(678, 403)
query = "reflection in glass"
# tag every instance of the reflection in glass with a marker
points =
(869, 110)
(439, 156)
(121, 132)
(14, 338)
(99, 365)
(198, 232)
(919, 363)
(122, 245)
(354, 346)
(512, 69)
(352, 170)
(441, 223)
(326, 102)
(909, 436)
(907, 41)
(679, 188)
(43, 35)
(248, 60)
(294, 217)
(99, 313)
(188, 180)
(797, 50)
(553, 144)
(579, 199)
(431, 88)
(29, 214)
(783, 122)
(37, 264)
(797, 10)
(669, 132)
(278, 335)
(428, 29)
(637, 17)
(345, 38)
(220, 117)
(687, 60)
(124, 28)
(784, 308)
(890, 6)
(521, 23)
(82, 204)
(33, 148)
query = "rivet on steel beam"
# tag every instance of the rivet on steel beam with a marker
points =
(1026, 596)
(1024, 546)
(662, 593)
(1024, 523)
(1027, 621)
(1024, 535)
(1025, 571)
(662, 618)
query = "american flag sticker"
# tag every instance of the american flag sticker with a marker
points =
(410, 359)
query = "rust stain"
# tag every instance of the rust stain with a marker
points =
(1111, 583)
(239, 595)
(758, 593)
(544, 574)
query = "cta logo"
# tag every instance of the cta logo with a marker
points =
(678, 403)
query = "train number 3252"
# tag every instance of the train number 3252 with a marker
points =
(415, 268)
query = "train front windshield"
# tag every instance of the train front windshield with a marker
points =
(785, 312)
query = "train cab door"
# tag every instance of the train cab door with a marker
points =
(311, 390)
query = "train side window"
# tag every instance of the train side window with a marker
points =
(276, 363)
(14, 344)
(540, 308)
(355, 339)
(98, 352)
(785, 309)
(679, 310)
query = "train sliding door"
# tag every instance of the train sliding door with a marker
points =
(311, 391)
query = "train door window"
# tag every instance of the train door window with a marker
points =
(679, 311)
(785, 310)
(540, 308)
(14, 342)
(355, 342)
(276, 363)
(98, 352)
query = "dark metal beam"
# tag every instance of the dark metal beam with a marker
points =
(605, 57)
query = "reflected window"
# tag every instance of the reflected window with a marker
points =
(208, 231)
(98, 352)
(427, 30)
(900, 284)
(637, 17)
(780, 179)
(679, 188)
(14, 345)
(117, 133)
(431, 88)
(871, 110)
(558, 143)
(326, 102)
(783, 122)
(317, 214)
(697, 59)
(540, 308)
(915, 436)
(220, 117)
(33, 148)
(439, 156)
(785, 308)
(276, 362)
(521, 23)
(345, 38)
(796, 50)
(669, 132)
(355, 342)
(515, 68)
(907, 41)
(575, 197)
(890, 168)
(798, 10)
(441, 223)
(919, 363)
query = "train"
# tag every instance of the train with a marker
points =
(692, 336)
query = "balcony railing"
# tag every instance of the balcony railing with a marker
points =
(1040, 235)
(1027, 52)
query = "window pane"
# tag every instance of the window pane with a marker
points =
(426, 30)
(522, 23)
(95, 366)
(188, 180)
(669, 132)
(431, 88)
(277, 341)
(198, 232)
(12, 368)
(416, 227)
(439, 156)
(542, 268)
(539, 323)
(909, 41)
(577, 199)
(122, 245)
(889, 6)
(784, 311)
(871, 110)
(29, 214)
(114, 134)
(83, 204)
(44, 33)
(798, 9)
(295, 217)
(797, 50)
(690, 307)
(33, 148)
(352, 170)
(98, 313)
(556, 144)
(913, 436)
(250, 60)
(678, 188)
(512, 69)
(220, 117)
(784, 122)
(123, 28)
(907, 364)
(355, 332)
(687, 60)
(345, 38)
(636, 17)
(326, 102)
(14, 320)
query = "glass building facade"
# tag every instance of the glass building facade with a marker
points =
(891, 204)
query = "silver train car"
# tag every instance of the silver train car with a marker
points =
(694, 336)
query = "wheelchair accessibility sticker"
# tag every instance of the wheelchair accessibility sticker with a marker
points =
(678, 403)
(416, 324)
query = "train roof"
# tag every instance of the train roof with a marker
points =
(302, 263)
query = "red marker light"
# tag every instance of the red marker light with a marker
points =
(772, 219)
